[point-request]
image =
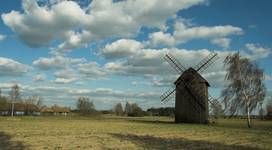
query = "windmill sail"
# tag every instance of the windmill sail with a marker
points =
(174, 63)
(165, 97)
(213, 101)
(206, 62)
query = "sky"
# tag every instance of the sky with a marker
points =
(112, 50)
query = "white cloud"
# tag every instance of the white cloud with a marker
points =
(74, 40)
(223, 42)
(56, 62)
(158, 38)
(55, 94)
(121, 48)
(8, 85)
(2, 37)
(91, 70)
(268, 77)
(10, 67)
(76, 26)
(255, 51)
(149, 63)
(64, 80)
(66, 76)
(39, 77)
(216, 79)
(183, 33)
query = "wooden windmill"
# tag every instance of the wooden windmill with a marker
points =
(191, 105)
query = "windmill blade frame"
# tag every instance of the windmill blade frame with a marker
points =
(174, 63)
(206, 62)
(213, 101)
(166, 96)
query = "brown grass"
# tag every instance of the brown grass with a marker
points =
(130, 133)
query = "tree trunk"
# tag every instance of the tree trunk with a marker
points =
(12, 109)
(248, 116)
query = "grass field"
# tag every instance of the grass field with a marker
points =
(130, 133)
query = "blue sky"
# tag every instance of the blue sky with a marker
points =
(111, 51)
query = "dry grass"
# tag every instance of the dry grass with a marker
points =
(130, 133)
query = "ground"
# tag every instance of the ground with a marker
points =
(110, 132)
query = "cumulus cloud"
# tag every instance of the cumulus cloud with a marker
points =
(56, 62)
(183, 33)
(2, 37)
(64, 95)
(268, 77)
(160, 38)
(74, 40)
(255, 51)
(65, 76)
(121, 48)
(223, 42)
(149, 63)
(39, 25)
(39, 77)
(8, 85)
(10, 67)
(91, 70)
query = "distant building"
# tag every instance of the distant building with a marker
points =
(162, 111)
(55, 110)
(20, 109)
(4, 109)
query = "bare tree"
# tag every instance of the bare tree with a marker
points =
(118, 109)
(216, 109)
(14, 96)
(128, 108)
(85, 106)
(245, 88)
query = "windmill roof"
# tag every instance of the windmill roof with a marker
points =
(190, 74)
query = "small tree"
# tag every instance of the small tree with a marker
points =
(216, 109)
(32, 104)
(128, 109)
(261, 111)
(137, 110)
(14, 96)
(118, 109)
(245, 88)
(15, 93)
(133, 110)
(85, 106)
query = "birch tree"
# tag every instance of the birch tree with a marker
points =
(245, 88)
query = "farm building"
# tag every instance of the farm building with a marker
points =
(4, 109)
(166, 111)
(55, 110)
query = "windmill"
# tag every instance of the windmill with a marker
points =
(191, 91)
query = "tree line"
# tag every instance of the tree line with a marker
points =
(14, 102)
(86, 107)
